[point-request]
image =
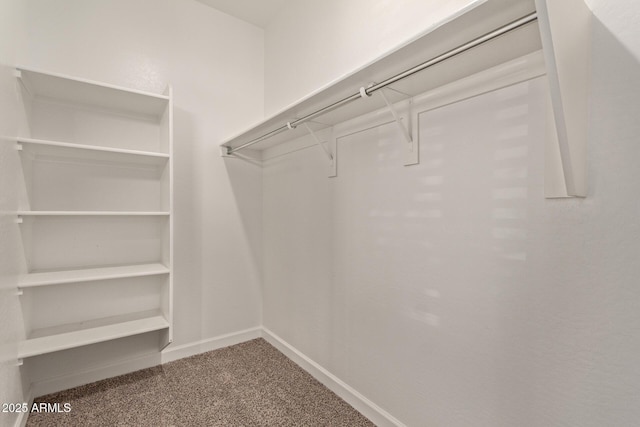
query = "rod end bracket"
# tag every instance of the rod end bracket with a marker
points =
(225, 151)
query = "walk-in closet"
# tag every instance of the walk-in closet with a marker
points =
(319, 213)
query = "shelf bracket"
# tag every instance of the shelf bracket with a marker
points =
(330, 155)
(19, 219)
(411, 156)
(26, 84)
(20, 362)
(224, 151)
(405, 132)
(19, 147)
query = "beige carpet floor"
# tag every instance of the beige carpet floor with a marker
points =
(249, 384)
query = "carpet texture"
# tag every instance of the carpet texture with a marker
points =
(249, 384)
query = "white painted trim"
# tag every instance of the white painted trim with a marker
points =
(172, 353)
(376, 414)
(369, 409)
(21, 421)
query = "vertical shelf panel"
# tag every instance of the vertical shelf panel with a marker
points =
(565, 33)
(166, 145)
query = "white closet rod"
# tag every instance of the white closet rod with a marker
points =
(368, 91)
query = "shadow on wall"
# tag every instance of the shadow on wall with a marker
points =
(236, 224)
(187, 206)
(245, 177)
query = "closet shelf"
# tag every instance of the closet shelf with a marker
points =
(470, 23)
(64, 337)
(91, 213)
(91, 94)
(45, 278)
(40, 148)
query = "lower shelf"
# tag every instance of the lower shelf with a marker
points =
(44, 278)
(64, 337)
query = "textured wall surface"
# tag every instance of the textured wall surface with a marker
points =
(452, 293)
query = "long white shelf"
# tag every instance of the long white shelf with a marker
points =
(46, 148)
(45, 278)
(91, 213)
(90, 93)
(477, 19)
(64, 337)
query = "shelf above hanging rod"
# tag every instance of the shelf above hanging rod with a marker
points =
(476, 30)
(491, 33)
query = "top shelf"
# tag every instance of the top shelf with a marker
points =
(476, 19)
(92, 94)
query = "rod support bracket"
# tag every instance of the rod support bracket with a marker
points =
(411, 146)
(225, 151)
(330, 154)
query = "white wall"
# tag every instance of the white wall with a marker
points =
(12, 38)
(452, 293)
(215, 64)
(311, 43)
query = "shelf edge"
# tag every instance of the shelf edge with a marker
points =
(99, 148)
(25, 283)
(65, 341)
(95, 83)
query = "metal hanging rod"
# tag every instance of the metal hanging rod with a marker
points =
(369, 90)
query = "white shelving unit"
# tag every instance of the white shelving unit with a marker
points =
(96, 213)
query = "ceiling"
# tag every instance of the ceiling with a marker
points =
(257, 12)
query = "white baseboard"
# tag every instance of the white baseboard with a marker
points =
(377, 415)
(21, 421)
(76, 379)
(170, 354)
(366, 407)
(180, 352)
